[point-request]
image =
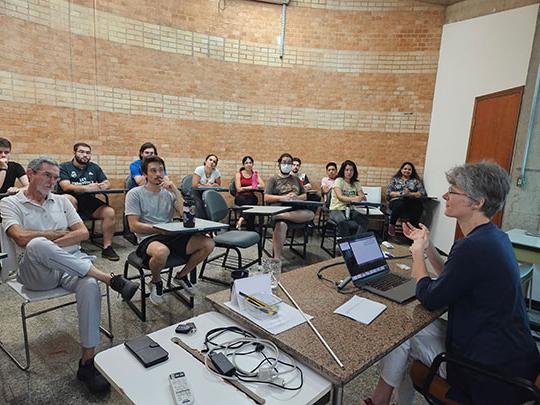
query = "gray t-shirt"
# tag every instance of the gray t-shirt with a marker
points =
(151, 208)
(207, 180)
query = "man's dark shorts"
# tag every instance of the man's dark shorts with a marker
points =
(87, 205)
(177, 244)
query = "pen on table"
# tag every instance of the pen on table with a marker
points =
(258, 303)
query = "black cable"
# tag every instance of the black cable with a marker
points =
(321, 277)
(214, 333)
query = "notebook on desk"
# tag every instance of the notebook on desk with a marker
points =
(369, 271)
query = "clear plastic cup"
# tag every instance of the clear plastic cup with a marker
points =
(272, 266)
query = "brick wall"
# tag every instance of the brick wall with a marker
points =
(356, 82)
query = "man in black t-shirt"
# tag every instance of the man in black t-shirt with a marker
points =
(80, 175)
(10, 171)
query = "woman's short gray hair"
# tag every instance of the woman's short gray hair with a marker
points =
(485, 180)
(35, 164)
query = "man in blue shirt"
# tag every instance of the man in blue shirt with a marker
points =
(81, 175)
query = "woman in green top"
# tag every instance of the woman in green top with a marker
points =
(347, 190)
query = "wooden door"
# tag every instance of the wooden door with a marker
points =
(493, 132)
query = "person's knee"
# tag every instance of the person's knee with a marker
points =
(39, 246)
(89, 286)
(159, 253)
(208, 245)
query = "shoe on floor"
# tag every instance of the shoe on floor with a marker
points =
(156, 293)
(392, 230)
(184, 283)
(109, 254)
(126, 288)
(92, 378)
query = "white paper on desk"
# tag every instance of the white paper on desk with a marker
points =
(286, 318)
(261, 283)
(361, 309)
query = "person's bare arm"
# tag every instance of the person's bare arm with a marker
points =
(24, 184)
(74, 188)
(22, 236)
(76, 234)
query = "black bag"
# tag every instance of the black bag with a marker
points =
(147, 351)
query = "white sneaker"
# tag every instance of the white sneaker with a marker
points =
(156, 293)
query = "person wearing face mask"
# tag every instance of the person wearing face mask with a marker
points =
(282, 188)
(346, 190)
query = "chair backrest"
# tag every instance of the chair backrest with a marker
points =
(215, 205)
(232, 188)
(373, 194)
(186, 185)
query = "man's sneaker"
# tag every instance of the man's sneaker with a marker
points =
(126, 288)
(92, 378)
(156, 293)
(184, 283)
(109, 254)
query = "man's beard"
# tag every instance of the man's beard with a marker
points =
(79, 161)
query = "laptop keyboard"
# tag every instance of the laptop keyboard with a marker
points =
(387, 282)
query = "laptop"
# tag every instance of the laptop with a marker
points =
(369, 271)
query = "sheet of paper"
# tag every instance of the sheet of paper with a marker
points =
(261, 283)
(286, 318)
(361, 309)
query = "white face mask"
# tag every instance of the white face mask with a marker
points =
(285, 168)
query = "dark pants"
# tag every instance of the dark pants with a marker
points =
(247, 199)
(409, 209)
(347, 227)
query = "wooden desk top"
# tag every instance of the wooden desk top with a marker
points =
(357, 345)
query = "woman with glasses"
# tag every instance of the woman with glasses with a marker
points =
(347, 190)
(245, 181)
(282, 188)
(479, 283)
(404, 193)
(207, 175)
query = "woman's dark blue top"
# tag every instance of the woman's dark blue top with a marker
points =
(487, 319)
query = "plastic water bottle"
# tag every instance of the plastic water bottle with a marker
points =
(348, 212)
(254, 180)
(189, 213)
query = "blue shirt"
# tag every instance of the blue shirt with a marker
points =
(487, 320)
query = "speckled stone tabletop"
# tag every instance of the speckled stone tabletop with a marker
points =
(358, 346)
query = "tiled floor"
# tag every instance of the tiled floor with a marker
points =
(55, 348)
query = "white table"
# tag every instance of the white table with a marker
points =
(150, 385)
(201, 226)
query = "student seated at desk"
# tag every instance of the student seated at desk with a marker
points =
(304, 180)
(404, 193)
(244, 181)
(10, 171)
(479, 284)
(157, 202)
(280, 189)
(346, 190)
(137, 177)
(79, 175)
(47, 231)
(328, 181)
(207, 175)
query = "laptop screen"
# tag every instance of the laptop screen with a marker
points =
(363, 256)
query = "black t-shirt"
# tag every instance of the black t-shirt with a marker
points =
(91, 173)
(14, 171)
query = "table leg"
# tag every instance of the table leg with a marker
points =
(337, 395)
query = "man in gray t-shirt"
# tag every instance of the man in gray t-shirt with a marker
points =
(157, 202)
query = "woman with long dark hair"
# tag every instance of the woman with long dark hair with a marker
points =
(245, 181)
(404, 195)
(346, 190)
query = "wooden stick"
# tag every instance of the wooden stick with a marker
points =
(312, 326)
(199, 356)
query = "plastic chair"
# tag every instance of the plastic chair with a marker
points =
(172, 261)
(30, 296)
(217, 210)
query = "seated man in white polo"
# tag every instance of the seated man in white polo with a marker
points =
(156, 202)
(47, 231)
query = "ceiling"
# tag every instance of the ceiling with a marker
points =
(441, 2)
